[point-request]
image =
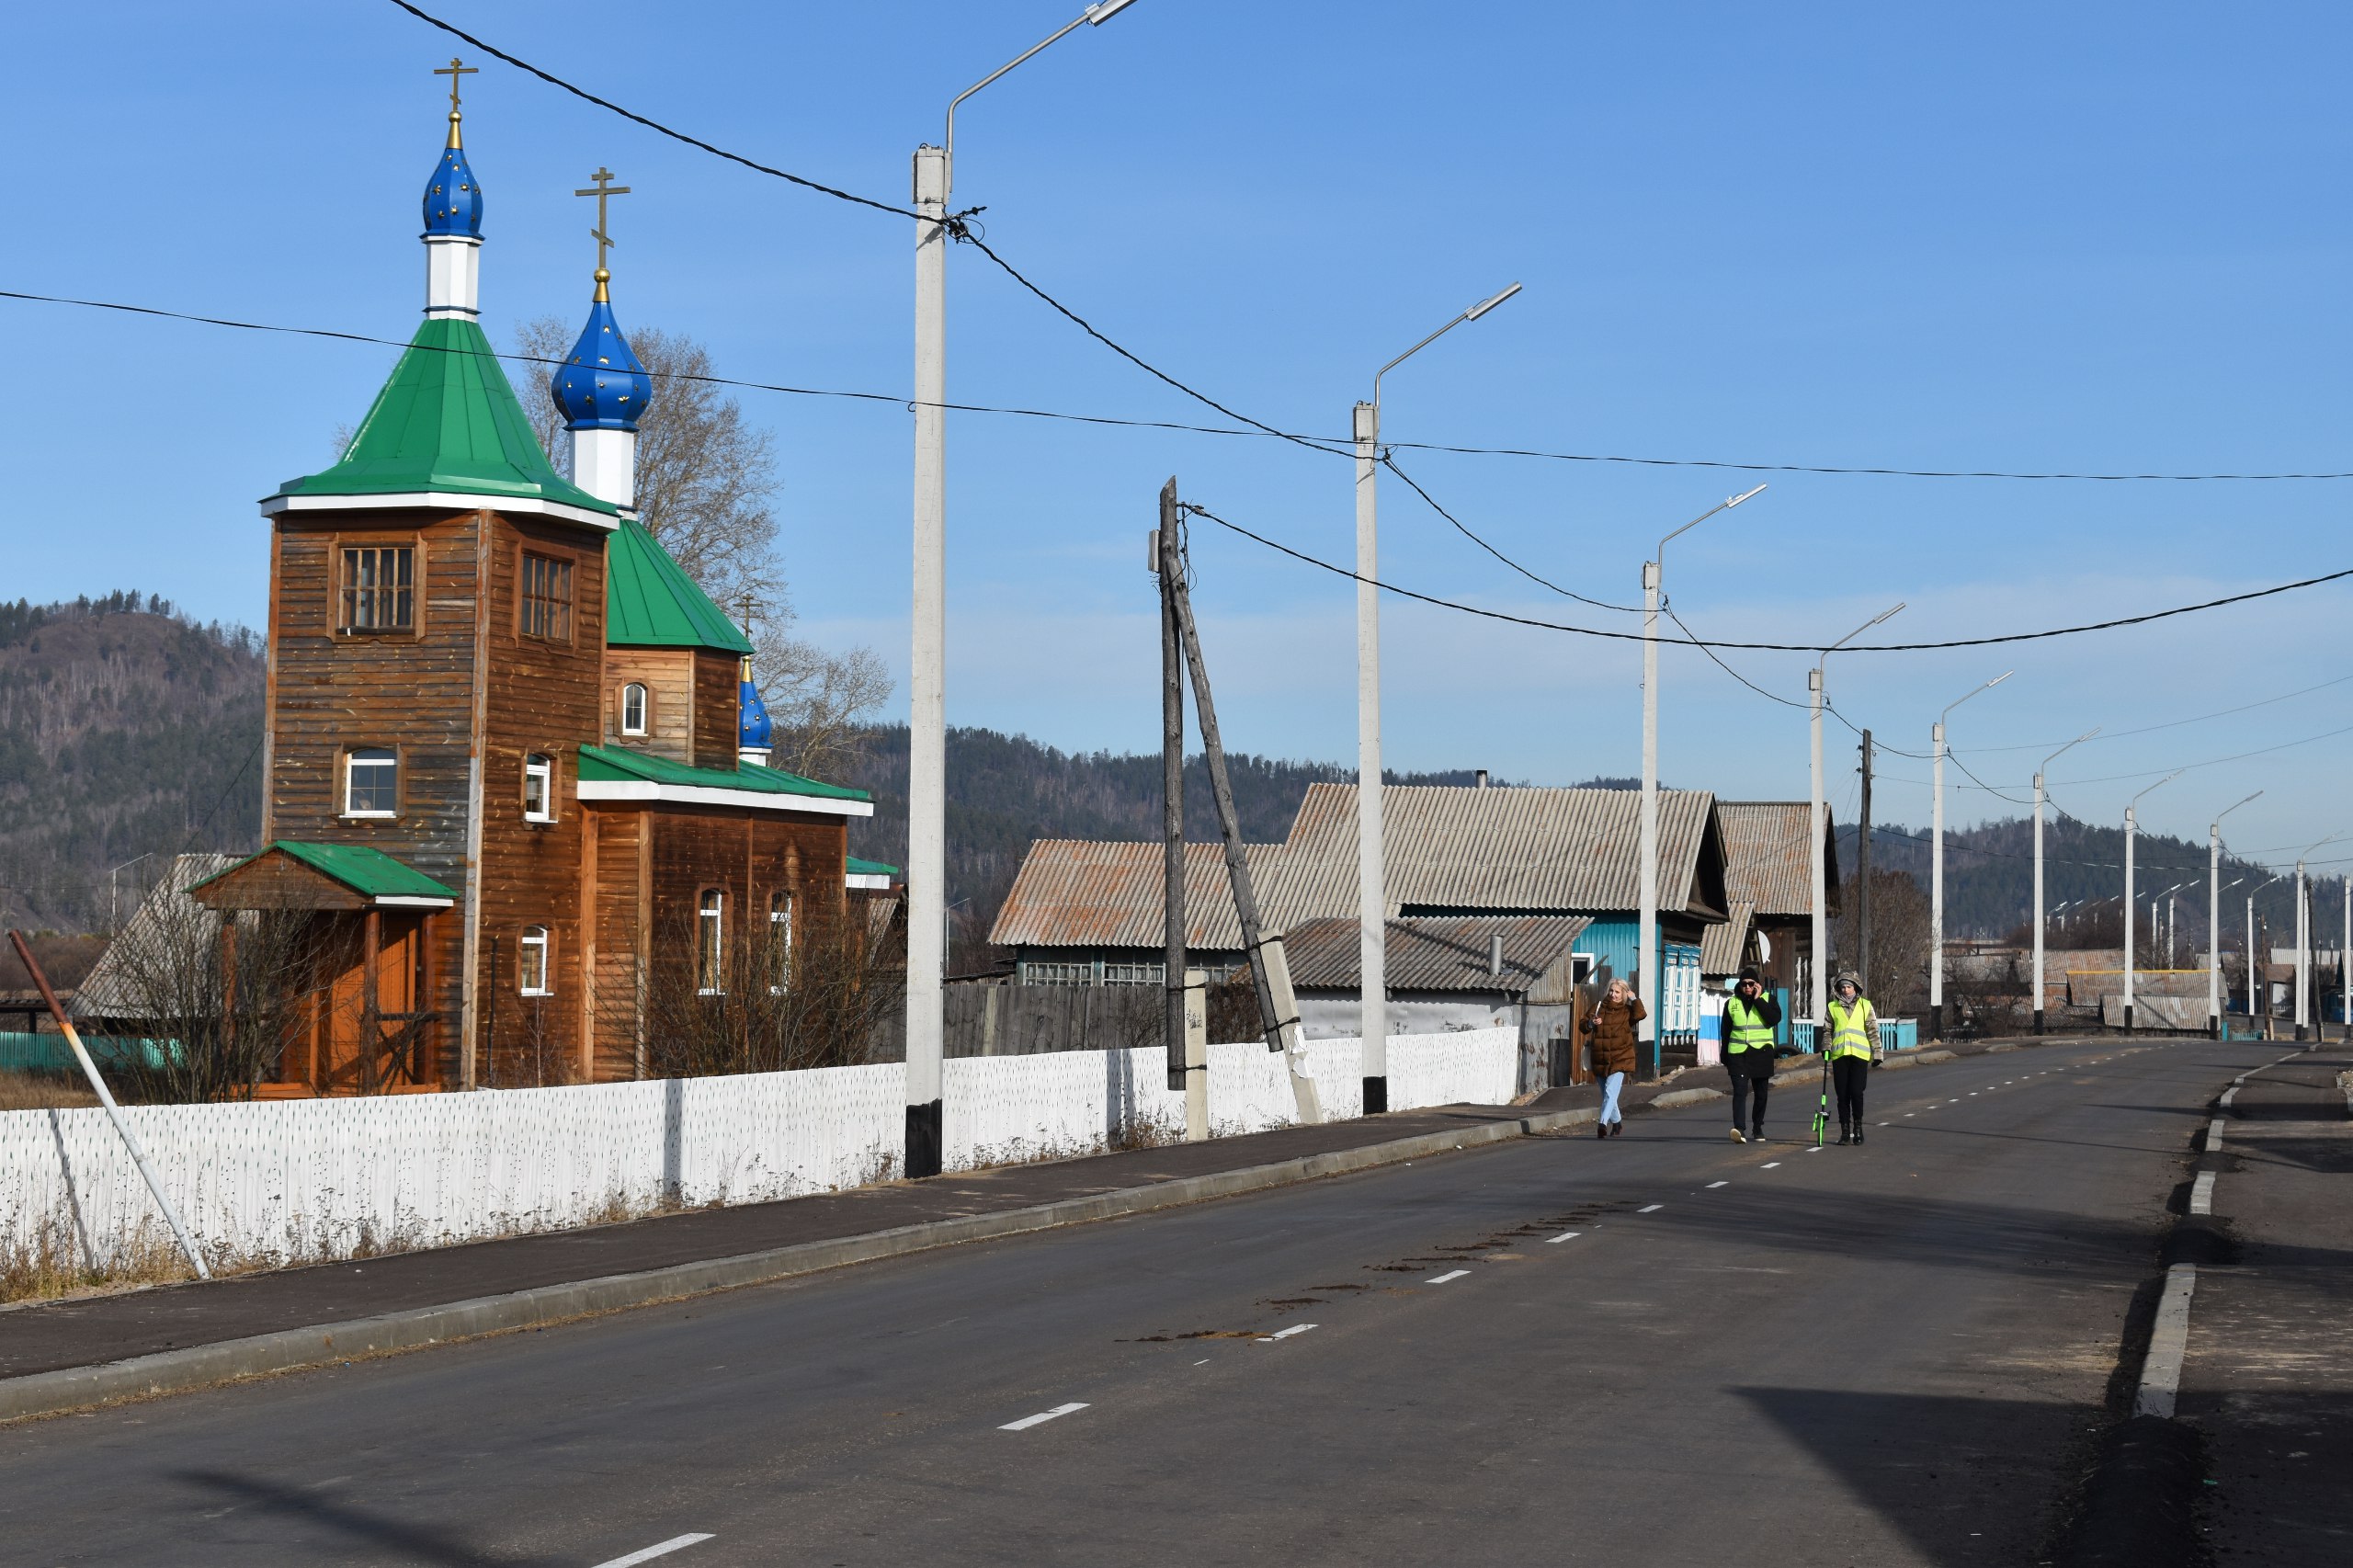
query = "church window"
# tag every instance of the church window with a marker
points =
(378, 588)
(371, 782)
(711, 943)
(532, 962)
(539, 787)
(547, 598)
(633, 709)
(780, 942)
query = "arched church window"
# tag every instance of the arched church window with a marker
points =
(633, 709)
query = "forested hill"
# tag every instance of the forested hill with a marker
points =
(1989, 872)
(125, 729)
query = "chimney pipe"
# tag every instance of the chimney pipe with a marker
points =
(1482, 779)
(1495, 951)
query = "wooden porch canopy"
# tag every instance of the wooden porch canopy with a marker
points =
(287, 875)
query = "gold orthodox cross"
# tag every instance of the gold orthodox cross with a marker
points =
(601, 190)
(454, 71)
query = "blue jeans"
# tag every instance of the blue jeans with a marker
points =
(1610, 1087)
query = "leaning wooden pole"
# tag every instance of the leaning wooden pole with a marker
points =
(106, 1099)
(1269, 973)
(1172, 792)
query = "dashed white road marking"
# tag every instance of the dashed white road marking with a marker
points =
(1649, 1208)
(1285, 1334)
(1041, 1418)
(1815, 1150)
(1717, 1184)
(1202, 1362)
(2202, 1193)
(1449, 1274)
(1887, 1124)
(1910, 1113)
(1563, 1236)
(660, 1549)
(1770, 1165)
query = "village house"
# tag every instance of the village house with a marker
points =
(515, 759)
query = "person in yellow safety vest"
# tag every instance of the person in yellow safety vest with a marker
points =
(1853, 1046)
(1751, 1014)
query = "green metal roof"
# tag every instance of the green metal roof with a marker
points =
(367, 871)
(609, 765)
(650, 602)
(854, 866)
(446, 420)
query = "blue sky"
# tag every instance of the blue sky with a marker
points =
(2095, 237)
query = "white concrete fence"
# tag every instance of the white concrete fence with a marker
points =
(293, 1181)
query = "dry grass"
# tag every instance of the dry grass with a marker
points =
(35, 1091)
(53, 1265)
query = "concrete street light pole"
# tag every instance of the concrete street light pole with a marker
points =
(2304, 1008)
(2038, 772)
(2132, 831)
(1818, 1003)
(1646, 944)
(1372, 906)
(2214, 916)
(1937, 861)
(928, 666)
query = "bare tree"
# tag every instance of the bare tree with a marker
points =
(704, 478)
(781, 999)
(1901, 935)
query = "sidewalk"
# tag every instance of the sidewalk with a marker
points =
(62, 1355)
(2268, 1378)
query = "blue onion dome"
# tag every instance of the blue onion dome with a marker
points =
(759, 731)
(600, 385)
(452, 200)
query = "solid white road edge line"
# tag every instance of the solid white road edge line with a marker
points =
(1044, 1415)
(1285, 1334)
(2202, 1193)
(675, 1543)
(2214, 1135)
(2168, 1342)
(1563, 1236)
(1451, 1274)
(2228, 1096)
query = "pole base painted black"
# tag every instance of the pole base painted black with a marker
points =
(2037, 1020)
(923, 1141)
(2128, 1017)
(1375, 1095)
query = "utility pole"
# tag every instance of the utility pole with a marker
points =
(927, 661)
(2214, 918)
(1269, 971)
(1863, 878)
(1172, 788)
(1936, 874)
(2038, 799)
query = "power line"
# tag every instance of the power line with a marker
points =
(1832, 468)
(960, 227)
(1390, 463)
(2173, 724)
(1531, 621)
(654, 125)
(2185, 767)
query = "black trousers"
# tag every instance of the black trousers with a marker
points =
(1742, 1086)
(1848, 1074)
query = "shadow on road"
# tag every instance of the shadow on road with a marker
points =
(1967, 1480)
(399, 1541)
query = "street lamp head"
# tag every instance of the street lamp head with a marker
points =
(1743, 496)
(2160, 784)
(1484, 306)
(1103, 11)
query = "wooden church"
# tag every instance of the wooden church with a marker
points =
(514, 758)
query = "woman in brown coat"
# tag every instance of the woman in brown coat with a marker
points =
(1609, 1029)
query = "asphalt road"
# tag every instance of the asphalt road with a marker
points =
(1659, 1349)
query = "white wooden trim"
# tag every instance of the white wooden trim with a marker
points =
(698, 795)
(438, 500)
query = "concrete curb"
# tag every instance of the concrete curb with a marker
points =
(199, 1366)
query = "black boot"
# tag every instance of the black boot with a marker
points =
(1845, 1134)
(1756, 1132)
(1859, 1132)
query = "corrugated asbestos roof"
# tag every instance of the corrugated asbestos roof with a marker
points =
(1432, 953)
(1448, 848)
(1767, 863)
(166, 924)
(1722, 949)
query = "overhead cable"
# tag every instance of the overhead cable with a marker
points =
(1430, 501)
(1533, 622)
